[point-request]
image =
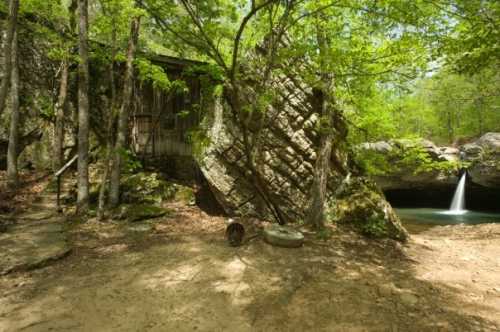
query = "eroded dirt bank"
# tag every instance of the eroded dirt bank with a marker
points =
(167, 277)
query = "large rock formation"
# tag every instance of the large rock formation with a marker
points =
(407, 164)
(285, 161)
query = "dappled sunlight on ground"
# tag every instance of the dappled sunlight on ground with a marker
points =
(167, 280)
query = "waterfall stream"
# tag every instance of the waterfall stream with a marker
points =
(458, 202)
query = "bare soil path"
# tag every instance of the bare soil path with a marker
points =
(34, 237)
(178, 274)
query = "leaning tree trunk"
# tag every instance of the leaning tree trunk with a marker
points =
(83, 111)
(59, 125)
(122, 130)
(12, 153)
(11, 28)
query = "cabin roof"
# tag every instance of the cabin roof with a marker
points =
(173, 61)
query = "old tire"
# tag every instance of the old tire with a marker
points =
(283, 236)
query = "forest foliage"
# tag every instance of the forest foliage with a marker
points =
(387, 69)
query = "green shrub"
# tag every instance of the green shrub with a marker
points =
(147, 187)
(374, 226)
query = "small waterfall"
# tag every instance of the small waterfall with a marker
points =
(458, 202)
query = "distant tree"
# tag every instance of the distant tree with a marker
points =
(62, 99)
(11, 28)
(83, 110)
(13, 149)
(471, 40)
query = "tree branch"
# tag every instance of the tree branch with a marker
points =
(237, 39)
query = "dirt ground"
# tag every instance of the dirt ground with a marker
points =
(178, 274)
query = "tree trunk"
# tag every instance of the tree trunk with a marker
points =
(110, 124)
(83, 111)
(11, 28)
(315, 215)
(122, 130)
(12, 172)
(59, 125)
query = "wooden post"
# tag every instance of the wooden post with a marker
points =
(59, 193)
(58, 175)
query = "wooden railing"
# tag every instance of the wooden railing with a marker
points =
(58, 176)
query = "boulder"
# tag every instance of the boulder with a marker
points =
(447, 153)
(380, 147)
(139, 212)
(359, 202)
(284, 160)
(146, 188)
(471, 151)
(490, 141)
(484, 156)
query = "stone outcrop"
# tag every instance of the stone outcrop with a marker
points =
(24, 141)
(285, 160)
(359, 202)
(407, 164)
(484, 157)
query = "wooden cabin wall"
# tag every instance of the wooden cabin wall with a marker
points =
(161, 121)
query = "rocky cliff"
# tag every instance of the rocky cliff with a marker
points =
(406, 164)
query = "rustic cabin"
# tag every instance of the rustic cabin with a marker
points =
(160, 122)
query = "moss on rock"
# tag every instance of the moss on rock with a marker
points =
(147, 188)
(359, 202)
(138, 212)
